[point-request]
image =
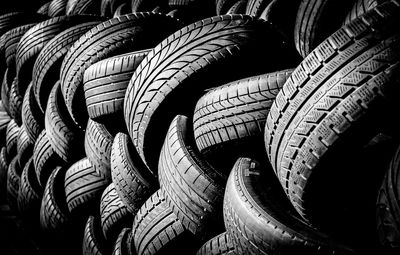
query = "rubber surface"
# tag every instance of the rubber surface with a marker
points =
(219, 245)
(57, 8)
(93, 242)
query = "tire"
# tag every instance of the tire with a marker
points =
(176, 74)
(222, 6)
(5, 93)
(121, 10)
(156, 230)
(316, 20)
(64, 136)
(15, 19)
(29, 195)
(32, 117)
(132, 180)
(45, 158)
(15, 101)
(256, 7)
(114, 215)
(11, 139)
(46, 71)
(388, 208)
(238, 8)
(98, 143)
(146, 5)
(193, 189)
(105, 83)
(229, 121)
(83, 188)
(4, 120)
(260, 219)
(360, 7)
(3, 174)
(79, 7)
(13, 181)
(93, 242)
(351, 117)
(108, 7)
(43, 9)
(115, 36)
(57, 8)
(219, 245)
(24, 146)
(35, 39)
(121, 245)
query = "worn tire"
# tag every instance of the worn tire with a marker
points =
(45, 158)
(193, 189)
(114, 214)
(346, 116)
(83, 188)
(93, 242)
(260, 219)
(65, 137)
(57, 8)
(98, 143)
(116, 36)
(219, 245)
(15, 102)
(46, 70)
(29, 194)
(316, 20)
(105, 83)
(133, 182)
(32, 117)
(121, 246)
(24, 146)
(13, 182)
(156, 230)
(388, 208)
(11, 139)
(204, 54)
(229, 121)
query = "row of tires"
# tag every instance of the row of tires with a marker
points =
(149, 133)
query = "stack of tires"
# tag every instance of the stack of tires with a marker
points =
(203, 127)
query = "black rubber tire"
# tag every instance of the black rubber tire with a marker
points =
(43, 9)
(220, 245)
(15, 19)
(156, 230)
(114, 214)
(105, 83)
(93, 241)
(83, 188)
(24, 146)
(29, 195)
(388, 208)
(108, 7)
(79, 7)
(316, 20)
(10, 43)
(260, 219)
(204, 54)
(57, 8)
(35, 39)
(193, 189)
(5, 93)
(146, 5)
(13, 181)
(3, 174)
(121, 10)
(4, 120)
(45, 158)
(132, 180)
(360, 7)
(15, 102)
(46, 71)
(98, 143)
(238, 8)
(32, 116)
(121, 245)
(229, 121)
(11, 139)
(116, 36)
(256, 7)
(342, 119)
(222, 6)
(65, 137)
